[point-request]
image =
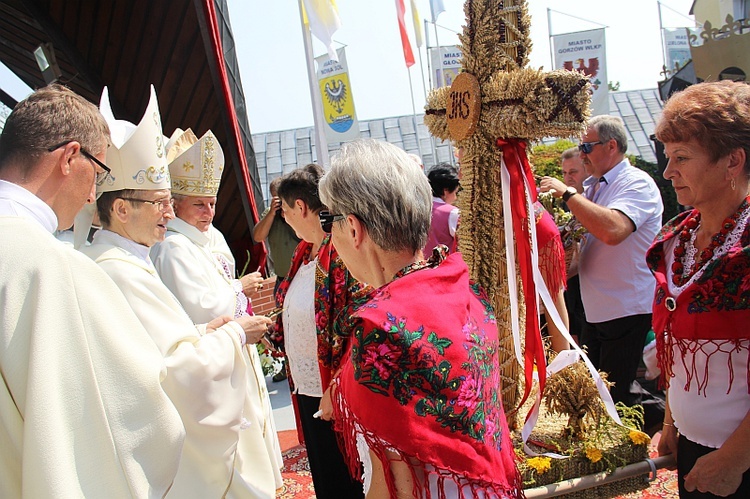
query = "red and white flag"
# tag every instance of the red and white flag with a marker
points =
(405, 43)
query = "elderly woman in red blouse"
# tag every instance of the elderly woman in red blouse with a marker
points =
(701, 314)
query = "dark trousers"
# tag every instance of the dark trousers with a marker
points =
(687, 454)
(574, 305)
(329, 471)
(616, 347)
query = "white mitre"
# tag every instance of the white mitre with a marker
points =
(195, 165)
(137, 156)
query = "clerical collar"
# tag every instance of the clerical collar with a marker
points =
(182, 227)
(15, 200)
(105, 236)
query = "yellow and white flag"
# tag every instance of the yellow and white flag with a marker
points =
(417, 24)
(323, 18)
(336, 94)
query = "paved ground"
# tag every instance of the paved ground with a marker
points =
(281, 402)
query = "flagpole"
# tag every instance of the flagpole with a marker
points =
(414, 115)
(441, 75)
(551, 48)
(663, 47)
(321, 143)
(429, 81)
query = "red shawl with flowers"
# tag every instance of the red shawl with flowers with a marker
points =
(422, 380)
(715, 307)
(334, 288)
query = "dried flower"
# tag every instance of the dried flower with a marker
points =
(639, 438)
(540, 464)
(593, 454)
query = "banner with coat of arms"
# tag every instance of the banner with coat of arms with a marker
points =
(584, 51)
(446, 64)
(338, 102)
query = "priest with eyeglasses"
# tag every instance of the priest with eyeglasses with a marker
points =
(207, 375)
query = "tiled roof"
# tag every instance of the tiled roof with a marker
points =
(278, 153)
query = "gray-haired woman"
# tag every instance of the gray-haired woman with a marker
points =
(418, 399)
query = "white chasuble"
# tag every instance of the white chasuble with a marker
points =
(206, 379)
(82, 411)
(187, 263)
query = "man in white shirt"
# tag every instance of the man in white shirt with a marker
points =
(206, 370)
(82, 411)
(621, 209)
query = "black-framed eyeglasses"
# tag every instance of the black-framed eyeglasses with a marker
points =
(163, 204)
(587, 147)
(327, 218)
(100, 176)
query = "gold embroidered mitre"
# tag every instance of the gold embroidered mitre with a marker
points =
(137, 156)
(195, 165)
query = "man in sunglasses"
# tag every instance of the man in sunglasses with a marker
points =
(621, 209)
(82, 411)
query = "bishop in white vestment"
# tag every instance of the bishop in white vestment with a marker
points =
(196, 264)
(206, 369)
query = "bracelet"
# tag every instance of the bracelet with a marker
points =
(668, 424)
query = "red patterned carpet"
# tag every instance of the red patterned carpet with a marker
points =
(298, 482)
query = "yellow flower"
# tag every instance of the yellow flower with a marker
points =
(540, 464)
(639, 438)
(594, 454)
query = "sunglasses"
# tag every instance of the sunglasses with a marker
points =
(327, 218)
(587, 147)
(100, 176)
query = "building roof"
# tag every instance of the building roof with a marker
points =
(277, 153)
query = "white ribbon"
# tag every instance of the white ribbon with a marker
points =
(564, 358)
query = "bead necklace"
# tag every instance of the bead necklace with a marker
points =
(687, 237)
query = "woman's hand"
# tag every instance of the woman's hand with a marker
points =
(668, 442)
(326, 403)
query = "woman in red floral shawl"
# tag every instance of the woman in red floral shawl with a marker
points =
(417, 401)
(701, 261)
(315, 290)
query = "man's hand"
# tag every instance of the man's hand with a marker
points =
(255, 326)
(552, 185)
(217, 323)
(262, 228)
(275, 207)
(714, 473)
(251, 283)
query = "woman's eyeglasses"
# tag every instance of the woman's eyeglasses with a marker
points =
(327, 219)
(587, 147)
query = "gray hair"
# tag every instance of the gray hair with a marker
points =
(383, 187)
(608, 128)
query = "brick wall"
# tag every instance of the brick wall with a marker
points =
(263, 301)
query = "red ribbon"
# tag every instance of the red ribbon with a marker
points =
(514, 153)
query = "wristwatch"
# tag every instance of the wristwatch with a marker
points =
(569, 192)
